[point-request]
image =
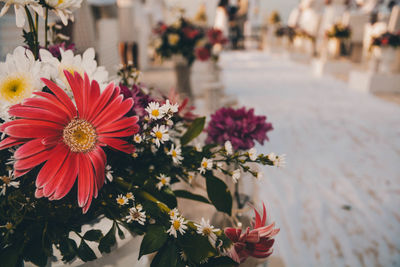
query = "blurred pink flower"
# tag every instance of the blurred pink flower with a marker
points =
(241, 127)
(255, 243)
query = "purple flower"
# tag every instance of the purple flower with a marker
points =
(240, 126)
(140, 99)
(55, 49)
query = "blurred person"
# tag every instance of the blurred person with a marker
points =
(221, 17)
(241, 18)
(127, 46)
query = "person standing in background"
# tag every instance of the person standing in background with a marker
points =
(241, 18)
(221, 17)
(127, 46)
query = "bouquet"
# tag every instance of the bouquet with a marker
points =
(210, 46)
(338, 31)
(282, 31)
(78, 148)
(386, 39)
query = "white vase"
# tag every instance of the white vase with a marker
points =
(333, 48)
(387, 58)
(183, 73)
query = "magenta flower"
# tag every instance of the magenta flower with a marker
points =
(255, 243)
(240, 126)
(140, 99)
(55, 49)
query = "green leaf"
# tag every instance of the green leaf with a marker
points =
(194, 130)
(154, 239)
(93, 235)
(189, 195)
(218, 193)
(197, 248)
(68, 249)
(85, 252)
(108, 241)
(10, 256)
(166, 256)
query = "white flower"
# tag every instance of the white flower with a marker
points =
(19, 7)
(205, 229)
(175, 153)
(8, 181)
(253, 154)
(130, 196)
(137, 138)
(191, 176)
(19, 77)
(216, 49)
(64, 8)
(278, 161)
(228, 147)
(136, 214)
(178, 224)
(154, 110)
(198, 147)
(236, 175)
(169, 108)
(206, 164)
(174, 213)
(81, 64)
(161, 134)
(260, 175)
(109, 173)
(122, 200)
(164, 181)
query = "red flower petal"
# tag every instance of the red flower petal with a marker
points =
(67, 176)
(30, 148)
(118, 125)
(51, 167)
(32, 131)
(85, 179)
(60, 94)
(11, 141)
(98, 159)
(118, 144)
(31, 162)
(38, 114)
(58, 103)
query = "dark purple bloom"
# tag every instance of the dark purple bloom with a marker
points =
(55, 49)
(239, 126)
(140, 99)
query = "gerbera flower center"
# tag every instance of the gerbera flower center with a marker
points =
(80, 136)
(159, 135)
(176, 224)
(13, 89)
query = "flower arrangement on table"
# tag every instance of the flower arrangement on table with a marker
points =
(287, 31)
(386, 39)
(211, 45)
(77, 149)
(338, 31)
(274, 18)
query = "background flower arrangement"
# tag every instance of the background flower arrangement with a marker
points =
(77, 149)
(387, 40)
(338, 31)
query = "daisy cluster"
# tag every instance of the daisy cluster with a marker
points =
(136, 213)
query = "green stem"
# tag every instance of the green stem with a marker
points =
(32, 29)
(37, 32)
(46, 22)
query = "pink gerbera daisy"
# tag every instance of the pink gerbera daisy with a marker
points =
(68, 137)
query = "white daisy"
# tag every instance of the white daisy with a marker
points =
(198, 147)
(236, 175)
(19, 7)
(271, 156)
(109, 173)
(164, 181)
(206, 164)
(191, 176)
(252, 154)
(8, 181)
(174, 213)
(130, 196)
(154, 110)
(8, 226)
(160, 134)
(228, 147)
(178, 224)
(175, 153)
(205, 229)
(137, 138)
(19, 77)
(169, 108)
(136, 214)
(64, 8)
(81, 64)
(122, 200)
(278, 161)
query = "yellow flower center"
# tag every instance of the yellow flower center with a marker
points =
(205, 164)
(80, 136)
(121, 201)
(129, 195)
(172, 213)
(155, 112)
(207, 231)
(159, 135)
(6, 179)
(176, 224)
(174, 153)
(9, 226)
(163, 181)
(15, 88)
